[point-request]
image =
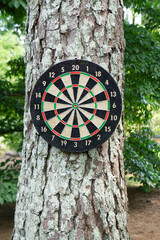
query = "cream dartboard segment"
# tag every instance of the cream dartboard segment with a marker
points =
(76, 105)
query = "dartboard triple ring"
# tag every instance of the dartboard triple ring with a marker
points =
(76, 105)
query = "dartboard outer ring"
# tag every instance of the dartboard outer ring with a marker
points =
(76, 105)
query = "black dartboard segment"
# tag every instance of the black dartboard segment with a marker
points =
(76, 105)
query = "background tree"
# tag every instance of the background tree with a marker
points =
(66, 195)
(12, 70)
(12, 103)
(142, 93)
(15, 12)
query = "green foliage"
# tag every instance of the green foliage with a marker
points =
(155, 122)
(12, 71)
(15, 12)
(9, 172)
(10, 47)
(142, 79)
(14, 140)
(12, 102)
(150, 11)
(142, 93)
(142, 159)
(11, 5)
(136, 4)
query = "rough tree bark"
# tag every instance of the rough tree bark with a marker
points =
(66, 195)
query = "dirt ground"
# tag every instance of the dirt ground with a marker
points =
(6, 221)
(144, 210)
(144, 220)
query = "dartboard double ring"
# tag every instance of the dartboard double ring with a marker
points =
(76, 105)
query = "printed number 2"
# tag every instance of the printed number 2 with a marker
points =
(98, 137)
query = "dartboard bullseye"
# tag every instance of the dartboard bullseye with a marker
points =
(76, 105)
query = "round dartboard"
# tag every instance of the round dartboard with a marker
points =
(76, 105)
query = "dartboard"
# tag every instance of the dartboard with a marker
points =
(76, 105)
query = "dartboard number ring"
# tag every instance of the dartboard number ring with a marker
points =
(76, 105)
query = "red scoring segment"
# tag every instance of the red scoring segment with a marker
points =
(44, 95)
(75, 139)
(106, 94)
(95, 79)
(63, 89)
(95, 132)
(55, 79)
(95, 110)
(107, 116)
(56, 133)
(63, 122)
(87, 89)
(75, 72)
(44, 117)
(87, 122)
(56, 112)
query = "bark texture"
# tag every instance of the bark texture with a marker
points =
(63, 195)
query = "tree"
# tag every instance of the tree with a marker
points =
(72, 195)
(142, 85)
(142, 93)
(10, 47)
(149, 9)
(12, 103)
(12, 71)
(15, 12)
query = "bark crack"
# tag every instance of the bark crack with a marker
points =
(59, 212)
(97, 214)
(46, 179)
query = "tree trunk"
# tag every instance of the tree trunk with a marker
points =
(72, 195)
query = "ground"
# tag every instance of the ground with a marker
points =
(144, 220)
(144, 210)
(6, 221)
